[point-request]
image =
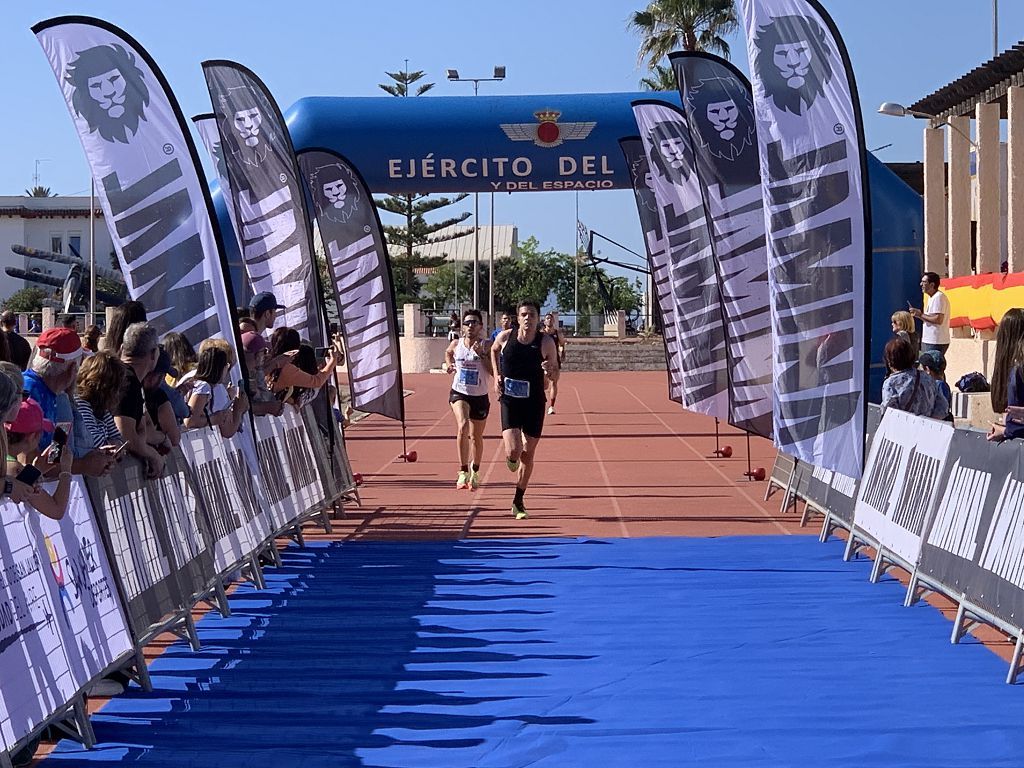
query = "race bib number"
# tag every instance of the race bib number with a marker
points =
(517, 388)
(469, 377)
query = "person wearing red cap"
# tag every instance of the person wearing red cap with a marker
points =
(53, 371)
(23, 434)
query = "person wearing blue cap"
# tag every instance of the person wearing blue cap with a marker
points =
(933, 363)
(263, 310)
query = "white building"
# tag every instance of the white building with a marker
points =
(59, 224)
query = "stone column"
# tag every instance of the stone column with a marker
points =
(959, 218)
(988, 188)
(414, 325)
(1015, 179)
(934, 201)
(49, 318)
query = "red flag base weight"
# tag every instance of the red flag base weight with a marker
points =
(409, 456)
(724, 452)
(756, 474)
(357, 477)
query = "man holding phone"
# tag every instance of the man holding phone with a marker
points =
(935, 317)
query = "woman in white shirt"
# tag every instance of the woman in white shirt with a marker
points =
(469, 359)
(210, 403)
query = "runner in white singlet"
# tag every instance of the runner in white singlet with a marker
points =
(469, 359)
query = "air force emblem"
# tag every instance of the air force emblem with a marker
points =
(548, 132)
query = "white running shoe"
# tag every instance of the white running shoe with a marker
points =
(551, 410)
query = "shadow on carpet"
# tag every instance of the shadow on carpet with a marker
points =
(504, 654)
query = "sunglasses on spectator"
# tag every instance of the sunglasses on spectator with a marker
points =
(470, 321)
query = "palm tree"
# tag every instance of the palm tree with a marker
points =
(693, 25)
(662, 78)
(39, 191)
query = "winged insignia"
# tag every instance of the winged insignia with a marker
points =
(547, 131)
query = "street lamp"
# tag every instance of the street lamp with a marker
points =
(892, 109)
(453, 76)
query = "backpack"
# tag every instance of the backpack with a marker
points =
(973, 382)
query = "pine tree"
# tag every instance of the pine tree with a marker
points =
(413, 208)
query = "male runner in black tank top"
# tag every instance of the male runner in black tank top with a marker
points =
(522, 358)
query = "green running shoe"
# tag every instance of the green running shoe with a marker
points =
(519, 511)
(462, 481)
(474, 480)
(513, 466)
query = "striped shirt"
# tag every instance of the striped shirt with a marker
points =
(101, 431)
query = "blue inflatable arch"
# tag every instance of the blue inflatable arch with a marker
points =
(562, 142)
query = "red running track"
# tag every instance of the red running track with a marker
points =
(618, 459)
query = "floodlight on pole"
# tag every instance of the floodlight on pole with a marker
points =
(499, 74)
(892, 109)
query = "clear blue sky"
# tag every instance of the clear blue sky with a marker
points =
(901, 50)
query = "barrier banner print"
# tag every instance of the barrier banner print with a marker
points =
(290, 472)
(720, 115)
(700, 327)
(333, 465)
(36, 677)
(86, 601)
(234, 506)
(657, 256)
(148, 175)
(360, 269)
(153, 531)
(270, 207)
(975, 544)
(813, 174)
(901, 480)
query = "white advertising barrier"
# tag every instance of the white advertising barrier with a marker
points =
(236, 508)
(35, 676)
(896, 499)
(292, 481)
(74, 564)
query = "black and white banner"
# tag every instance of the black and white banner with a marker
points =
(290, 472)
(206, 125)
(154, 532)
(657, 255)
(275, 241)
(700, 328)
(357, 257)
(720, 114)
(810, 141)
(35, 676)
(236, 511)
(148, 177)
(897, 494)
(975, 545)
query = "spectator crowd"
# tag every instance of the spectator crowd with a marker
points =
(74, 405)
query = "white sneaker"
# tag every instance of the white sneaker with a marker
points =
(551, 410)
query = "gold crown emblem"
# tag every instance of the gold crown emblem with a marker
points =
(547, 115)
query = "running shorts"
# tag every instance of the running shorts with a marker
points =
(479, 405)
(526, 414)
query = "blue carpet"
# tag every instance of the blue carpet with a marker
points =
(503, 654)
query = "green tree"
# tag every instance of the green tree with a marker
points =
(26, 300)
(412, 209)
(692, 25)
(439, 288)
(662, 78)
(40, 191)
(529, 275)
